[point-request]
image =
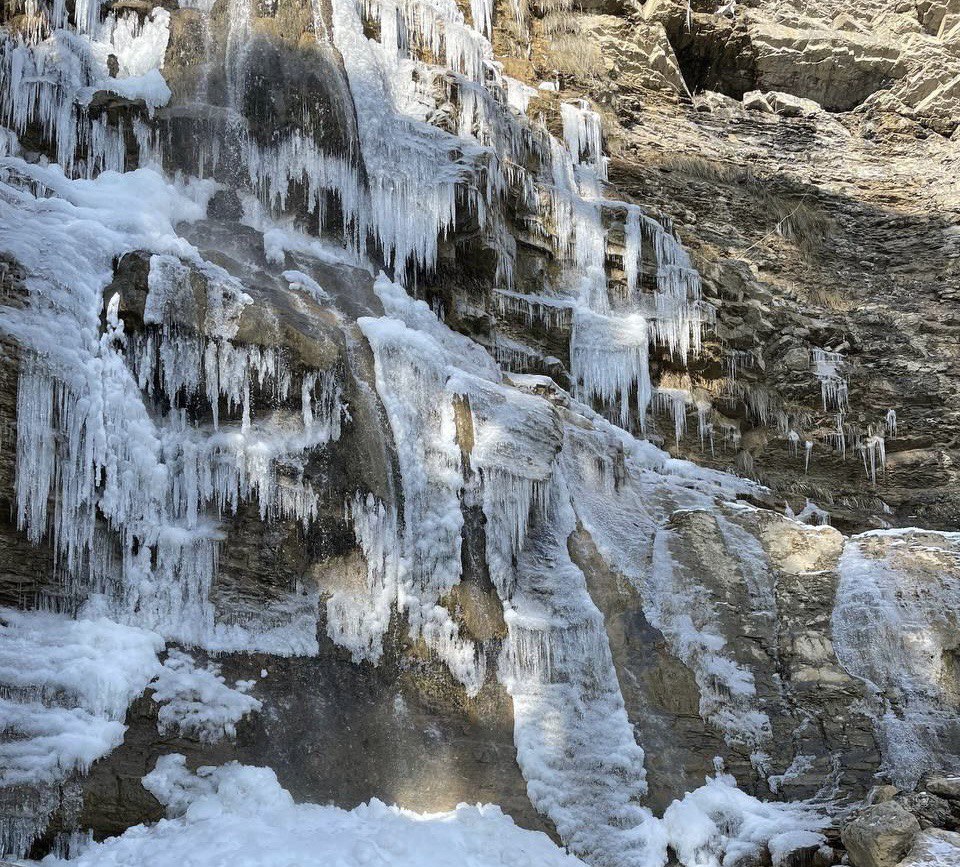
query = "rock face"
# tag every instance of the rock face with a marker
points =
(493, 468)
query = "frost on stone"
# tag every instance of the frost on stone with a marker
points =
(894, 627)
(196, 702)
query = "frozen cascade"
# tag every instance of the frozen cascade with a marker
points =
(411, 168)
(583, 136)
(609, 362)
(50, 84)
(624, 496)
(575, 744)
(411, 375)
(894, 626)
(107, 420)
(359, 620)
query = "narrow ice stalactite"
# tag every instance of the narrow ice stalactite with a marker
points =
(633, 247)
(674, 401)
(482, 12)
(874, 452)
(891, 423)
(583, 136)
(894, 626)
(793, 438)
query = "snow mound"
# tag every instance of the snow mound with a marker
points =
(239, 816)
(718, 824)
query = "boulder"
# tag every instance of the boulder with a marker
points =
(880, 835)
(788, 105)
(882, 794)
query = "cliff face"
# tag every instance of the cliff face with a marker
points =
(470, 392)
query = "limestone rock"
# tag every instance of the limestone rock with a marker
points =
(880, 836)
(837, 69)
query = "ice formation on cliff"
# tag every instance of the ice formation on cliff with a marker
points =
(134, 449)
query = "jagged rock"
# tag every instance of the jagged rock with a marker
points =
(880, 836)
(931, 811)
(754, 100)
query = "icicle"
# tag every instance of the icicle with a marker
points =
(358, 618)
(826, 366)
(794, 439)
(673, 400)
(411, 374)
(808, 450)
(873, 450)
(583, 136)
(891, 423)
(610, 361)
(633, 247)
